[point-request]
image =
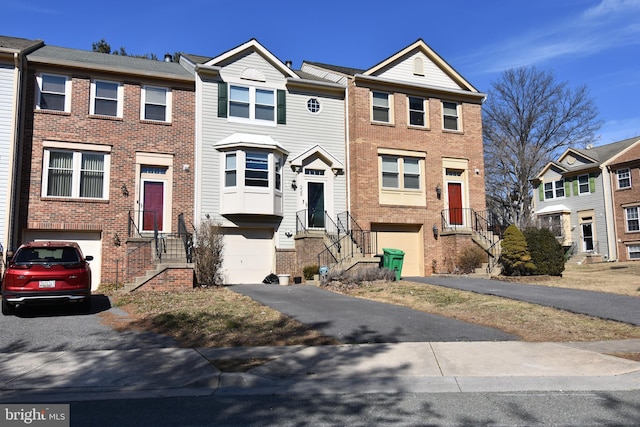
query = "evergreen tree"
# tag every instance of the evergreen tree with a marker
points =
(515, 258)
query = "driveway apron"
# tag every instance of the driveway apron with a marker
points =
(596, 304)
(355, 321)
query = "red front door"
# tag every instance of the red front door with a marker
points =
(454, 190)
(153, 205)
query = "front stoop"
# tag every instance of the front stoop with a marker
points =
(161, 269)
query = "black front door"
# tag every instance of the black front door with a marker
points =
(315, 211)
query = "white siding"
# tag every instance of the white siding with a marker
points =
(302, 131)
(6, 140)
(433, 75)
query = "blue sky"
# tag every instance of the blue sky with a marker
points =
(584, 42)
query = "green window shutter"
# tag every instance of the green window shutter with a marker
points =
(575, 186)
(567, 188)
(592, 183)
(223, 99)
(541, 191)
(282, 107)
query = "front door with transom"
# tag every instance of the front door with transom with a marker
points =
(454, 192)
(587, 236)
(152, 205)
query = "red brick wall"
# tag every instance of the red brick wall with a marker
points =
(626, 197)
(366, 138)
(172, 279)
(126, 136)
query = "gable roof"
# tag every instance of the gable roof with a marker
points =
(420, 45)
(254, 45)
(88, 60)
(13, 45)
(599, 156)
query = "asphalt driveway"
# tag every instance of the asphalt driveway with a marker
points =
(596, 304)
(355, 321)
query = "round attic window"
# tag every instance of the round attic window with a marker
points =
(571, 160)
(313, 105)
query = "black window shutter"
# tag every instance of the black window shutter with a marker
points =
(223, 99)
(282, 107)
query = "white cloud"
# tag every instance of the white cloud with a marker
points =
(610, 24)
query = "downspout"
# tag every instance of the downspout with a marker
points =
(608, 213)
(347, 146)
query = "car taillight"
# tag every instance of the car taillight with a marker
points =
(75, 265)
(20, 266)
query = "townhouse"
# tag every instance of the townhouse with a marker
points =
(270, 150)
(587, 199)
(415, 156)
(107, 152)
(13, 79)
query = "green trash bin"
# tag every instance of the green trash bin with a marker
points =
(393, 259)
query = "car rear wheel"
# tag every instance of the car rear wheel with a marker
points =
(7, 309)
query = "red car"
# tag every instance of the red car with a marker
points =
(46, 272)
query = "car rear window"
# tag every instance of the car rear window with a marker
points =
(45, 255)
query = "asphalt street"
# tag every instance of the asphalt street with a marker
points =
(596, 304)
(355, 321)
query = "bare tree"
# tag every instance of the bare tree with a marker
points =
(528, 119)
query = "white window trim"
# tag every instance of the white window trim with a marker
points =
(400, 172)
(554, 189)
(67, 91)
(77, 156)
(389, 107)
(629, 251)
(425, 111)
(628, 177)
(168, 103)
(584, 193)
(626, 218)
(458, 116)
(252, 105)
(120, 100)
(241, 167)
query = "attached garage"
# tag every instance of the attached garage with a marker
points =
(248, 255)
(406, 237)
(90, 243)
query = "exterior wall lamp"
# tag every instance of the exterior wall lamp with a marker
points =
(124, 190)
(294, 184)
(435, 231)
(438, 191)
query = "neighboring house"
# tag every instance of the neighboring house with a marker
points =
(574, 197)
(270, 150)
(624, 169)
(107, 152)
(415, 156)
(13, 78)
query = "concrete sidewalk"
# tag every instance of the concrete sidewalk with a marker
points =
(504, 366)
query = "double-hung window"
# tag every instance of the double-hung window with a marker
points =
(554, 189)
(417, 112)
(252, 103)
(156, 104)
(632, 219)
(256, 173)
(450, 116)
(553, 223)
(634, 251)
(53, 93)
(381, 107)
(75, 174)
(106, 98)
(230, 170)
(624, 178)
(400, 172)
(583, 185)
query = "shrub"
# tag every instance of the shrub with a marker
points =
(208, 254)
(361, 275)
(309, 271)
(546, 252)
(515, 258)
(470, 258)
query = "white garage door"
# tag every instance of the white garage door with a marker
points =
(406, 238)
(248, 255)
(90, 244)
